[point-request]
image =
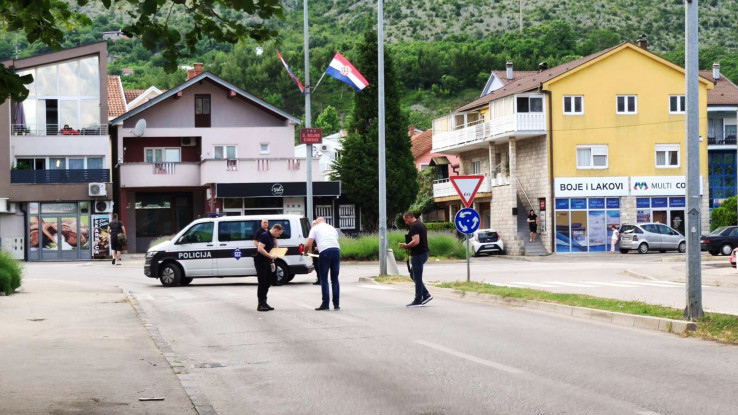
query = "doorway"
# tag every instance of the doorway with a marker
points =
(660, 216)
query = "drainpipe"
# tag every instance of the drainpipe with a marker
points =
(551, 206)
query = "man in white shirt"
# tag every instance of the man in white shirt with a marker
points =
(326, 238)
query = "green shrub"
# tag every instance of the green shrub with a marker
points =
(440, 226)
(724, 215)
(366, 247)
(10, 273)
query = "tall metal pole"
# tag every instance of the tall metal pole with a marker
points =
(468, 271)
(693, 309)
(382, 173)
(308, 147)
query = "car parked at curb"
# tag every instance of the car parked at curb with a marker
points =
(732, 257)
(224, 247)
(645, 237)
(720, 241)
(487, 241)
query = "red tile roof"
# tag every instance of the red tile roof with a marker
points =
(517, 75)
(421, 143)
(116, 100)
(724, 93)
(132, 94)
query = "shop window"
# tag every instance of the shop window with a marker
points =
(592, 157)
(627, 104)
(667, 156)
(574, 105)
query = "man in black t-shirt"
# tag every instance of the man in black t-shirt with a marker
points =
(264, 262)
(265, 228)
(418, 247)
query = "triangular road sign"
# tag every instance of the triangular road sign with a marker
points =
(466, 187)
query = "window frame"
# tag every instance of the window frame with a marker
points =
(626, 112)
(163, 154)
(573, 100)
(681, 104)
(268, 148)
(594, 148)
(667, 148)
(477, 162)
(224, 149)
(528, 98)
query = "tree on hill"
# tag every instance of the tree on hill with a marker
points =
(329, 121)
(219, 20)
(357, 166)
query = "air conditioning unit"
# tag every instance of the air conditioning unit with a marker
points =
(324, 147)
(103, 206)
(97, 189)
(189, 141)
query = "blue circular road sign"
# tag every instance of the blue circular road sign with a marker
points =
(467, 221)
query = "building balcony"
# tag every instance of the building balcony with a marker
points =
(444, 188)
(164, 174)
(721, 141)
(40, 129)
(59, 176)
(260, 170)
(476, 134)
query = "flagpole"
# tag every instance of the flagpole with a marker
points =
(321, 78)
(309, 147)
(382, 173)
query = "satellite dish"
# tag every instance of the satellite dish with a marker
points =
(140, 128)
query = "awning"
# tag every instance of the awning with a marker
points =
(439, 161)
(281, 189)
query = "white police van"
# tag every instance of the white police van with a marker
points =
(224, 247)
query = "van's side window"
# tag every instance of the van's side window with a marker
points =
(202, 232)
(287, 231)
(238, 230)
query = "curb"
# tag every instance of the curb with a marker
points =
(199, 401)
(621, 319)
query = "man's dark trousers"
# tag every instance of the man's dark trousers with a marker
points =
(330, 260)
(417, 262)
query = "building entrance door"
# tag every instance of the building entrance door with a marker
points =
(660, 216)
(677, 220)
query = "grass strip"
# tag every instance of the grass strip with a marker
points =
(393, 279)
(713, 326)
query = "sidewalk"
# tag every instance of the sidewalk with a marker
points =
(716, 273)
(68, 347)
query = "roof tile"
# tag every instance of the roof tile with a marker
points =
(724, 93)
(116, 101)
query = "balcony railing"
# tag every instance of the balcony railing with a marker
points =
(478, 132)
(160, 174)
(163, 168)
(40, 129)
(729, 140)
(59, 176)
(444, 187)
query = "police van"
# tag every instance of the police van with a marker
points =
(224, 247)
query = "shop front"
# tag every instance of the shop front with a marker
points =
(64, 231)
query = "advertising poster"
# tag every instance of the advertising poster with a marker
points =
(35, 235)
(597, 231)
(100, 236)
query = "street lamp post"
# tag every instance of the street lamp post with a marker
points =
(382, 173)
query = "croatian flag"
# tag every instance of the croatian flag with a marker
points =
(344, 71)
(292, 75)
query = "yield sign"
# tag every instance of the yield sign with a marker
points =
(466, 187)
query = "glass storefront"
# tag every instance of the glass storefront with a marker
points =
(666, 210)
(161, 214)
(583, 224)
(59, 231)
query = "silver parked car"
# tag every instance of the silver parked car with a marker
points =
(651, 236)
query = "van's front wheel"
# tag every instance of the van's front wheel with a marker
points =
(170, 275)
(283, 273)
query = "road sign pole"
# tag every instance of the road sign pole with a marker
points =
(308, 116)
(468, 272)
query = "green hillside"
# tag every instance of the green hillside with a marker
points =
(443, 50)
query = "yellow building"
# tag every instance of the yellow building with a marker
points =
(586, 144)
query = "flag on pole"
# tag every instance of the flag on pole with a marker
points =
(344, 71)
(292, 75)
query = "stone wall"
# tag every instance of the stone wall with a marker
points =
(532, 172)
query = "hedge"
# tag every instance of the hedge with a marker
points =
(366, 247)
(10, 273)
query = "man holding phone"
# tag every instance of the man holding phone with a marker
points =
(418, 247)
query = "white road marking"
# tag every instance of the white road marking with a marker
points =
(494, 365)
(507, 284)
(647, 413)
(572, 284)
(375, 287)
(614, 284)
(536, 284)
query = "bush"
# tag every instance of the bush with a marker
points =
(724, 215)
(366, 247)
(440, 226)
(10, 273)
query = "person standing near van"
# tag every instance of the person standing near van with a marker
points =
(614, 238)
(264, 263)
(418, 247)
(316, 262)
(265, 228)
(533, 225)
(115, 228)
(326, 237)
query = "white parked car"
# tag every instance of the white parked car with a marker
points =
(224, 247)
(487, 241)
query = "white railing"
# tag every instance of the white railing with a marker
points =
(163, 168)
(478, 132)
(444, 187)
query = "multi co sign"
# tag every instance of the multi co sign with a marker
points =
(621, 186)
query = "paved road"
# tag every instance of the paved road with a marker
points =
(376, 356)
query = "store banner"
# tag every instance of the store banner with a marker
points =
(660, 186)
(101, 238)
(590, 186)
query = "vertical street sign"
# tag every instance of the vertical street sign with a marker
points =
(467, 221)
(467, 187)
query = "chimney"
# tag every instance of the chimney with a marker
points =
(410, 130)
(191, 73)
(642, 42)
(542, 66)
(509, 66)
(716, 71)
